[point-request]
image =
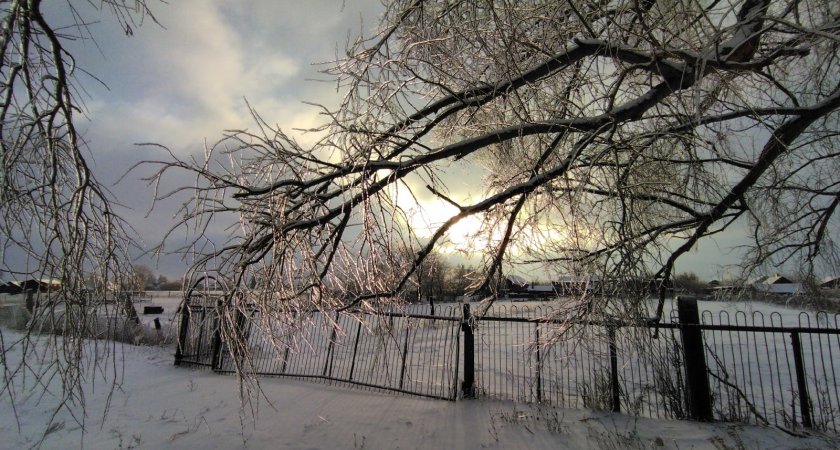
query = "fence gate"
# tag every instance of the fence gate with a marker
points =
(392, 351)
(198, 337)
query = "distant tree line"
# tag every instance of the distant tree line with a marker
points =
(145, 279)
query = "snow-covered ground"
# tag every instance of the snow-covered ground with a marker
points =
(158, 405)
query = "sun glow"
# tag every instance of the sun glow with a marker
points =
(474, 234)
(426, 216)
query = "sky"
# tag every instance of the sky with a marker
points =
(181, 82)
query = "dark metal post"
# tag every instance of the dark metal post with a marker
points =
(286, 351)
(539, 361)
(200, 347)
(241, 325)
(804, 400)
(456, 370)
(217, 337)
(468, 385)
(616, 389)
(331, 348)
(355, 350)
(699, 397)
(285, 357)
(182, 331)
(405, 351)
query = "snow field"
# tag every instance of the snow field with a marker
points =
(159, 406)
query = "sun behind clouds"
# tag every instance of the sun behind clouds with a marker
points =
(464, 236)
(426, 216)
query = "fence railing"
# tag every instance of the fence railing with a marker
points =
(607, 365)
(399, 352)
(762, 370)
(729, 367)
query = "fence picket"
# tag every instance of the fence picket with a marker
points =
(804, 400)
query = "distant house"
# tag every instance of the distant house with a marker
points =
(541, 290)
(21, 287)
(777, 284)
(830, 283)
(10, 288)
(515, 284)
(518, 287)
(722, 291)
(577, 284)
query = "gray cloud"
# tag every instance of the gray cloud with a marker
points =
(185, 81)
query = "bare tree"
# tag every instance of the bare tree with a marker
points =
(457, 281)
(689, 282)
(56, 220)
(142, 277)
(614, 136)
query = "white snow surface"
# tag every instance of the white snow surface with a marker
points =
(160, 406)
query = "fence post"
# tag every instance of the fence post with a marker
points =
(242, 324)
(616, 389)
(696, 372)
(804, 401)
(30, 302)
(468, 385)
(405, 350)
(331, 348)
(182, 332)
(285, 356)
(216, 363)
(355, 350)
(539, 361)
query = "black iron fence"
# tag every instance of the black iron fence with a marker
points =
(726, 366)
(407, 353)
(763, 370)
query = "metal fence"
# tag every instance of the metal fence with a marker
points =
(608, 366)
(399, 352)
(726, 366)
(735, 367)
(198, 335)
(762, 371)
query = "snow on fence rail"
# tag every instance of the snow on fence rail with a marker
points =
(724, 366)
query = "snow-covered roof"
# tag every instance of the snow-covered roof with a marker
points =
(516, 279)
(777, 279)
(772, 279)
(830, 281)
(43, 281)
(779, 288)
(577, 278)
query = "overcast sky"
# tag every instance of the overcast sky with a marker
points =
(185, 81)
